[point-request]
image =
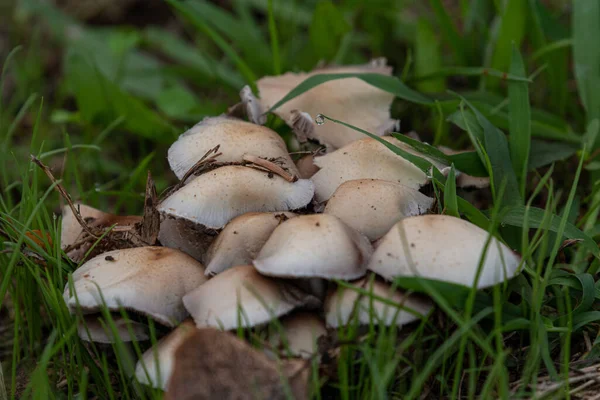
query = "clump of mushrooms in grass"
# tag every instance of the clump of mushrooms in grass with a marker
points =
(238, 243)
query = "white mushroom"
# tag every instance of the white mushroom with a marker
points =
(350, 100)
(301, 330)
(365, 159)
(444, 248)
(235, 139)
(214, 198)
(155, 366)
(373, 206)
(314, 246)
(91, 329)
(344, 304)
(147, 280)
(241, 240)
(239, 296)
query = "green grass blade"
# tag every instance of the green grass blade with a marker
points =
(472, 71)
(274, 40)
(450, 200)
(520, 122)
(428, 58)
(586, 25)
(512, 30)
(449, 31)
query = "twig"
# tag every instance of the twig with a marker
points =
(270, 166)
(65, 195)
(201, 164)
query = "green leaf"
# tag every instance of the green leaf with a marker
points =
(427, 58)
(472, 71)
(591, 134)
(496, 147)
(512, 29)
(520, 121)
(177, 102)
(450, 201)
(449, 31)
(389, 84)
(515, 215)
(327, 30)
(544, 153)
(102, 101)
(586, 25)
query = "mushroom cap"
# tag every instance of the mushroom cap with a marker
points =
(373, 206)
(214, 198)
(301, 331)
(306, 166)
(314, 246)
(98, 334)
(341, 303)
(241, 240)
(350, 100)
(237, 296)
(234, 137)
(210, 364)
(163, 352)
(365, 159)
(185, 235)
(443, 248)
(148, 280)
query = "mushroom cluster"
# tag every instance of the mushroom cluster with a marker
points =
(248, 237)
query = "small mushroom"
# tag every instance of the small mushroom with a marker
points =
(350, 100)
(301, 330)
(365, 159)
(72, 232)
(156, 374)
(463, 180)
(147, 280)
(210, 364)
(235, 139)
(444, 248)
(314, 246)
(373, 206)
(214, 198)
(239, 296)
(306, 166)
(241, 240)
(91, 329)
(343, 304)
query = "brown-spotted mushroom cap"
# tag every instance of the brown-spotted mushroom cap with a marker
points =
(235, 139)
(344, 304)
(147, 280)
(301, 330)
(373, 206)
(211, 364)
(350, 100)
(156, 374)
(314, 246)
(365, 159)
(443, 248)
(91, 329)
(241, 240)
(239, 296)
(214, 198)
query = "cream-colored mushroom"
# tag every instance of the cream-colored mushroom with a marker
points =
(214, 198)
(343, 304)
(241, 240)
(239, 296)
(72, 231)
(300, 330)
(314, 246)
(444, 248)
(365, 159)
(155, 366)
(235, 139)
(91, 329)
(373, 206)
(350, 100)
(147, 280)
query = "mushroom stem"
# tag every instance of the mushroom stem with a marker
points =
(270, 166)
